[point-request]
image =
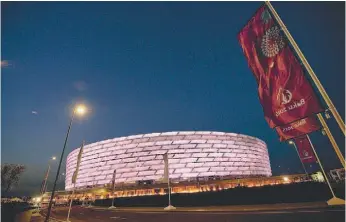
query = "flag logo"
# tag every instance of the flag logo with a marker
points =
(272, 42)
(284, 96)
(265, 16)
(306, 154)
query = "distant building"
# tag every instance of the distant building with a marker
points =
(11, 200)
(337, 174)
(318, 177)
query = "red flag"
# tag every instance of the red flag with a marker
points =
(285, 94)
(43, 184)
(75, 173)
(304, 149)
(298, 128)
(166, 169)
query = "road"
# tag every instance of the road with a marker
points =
(281, 214)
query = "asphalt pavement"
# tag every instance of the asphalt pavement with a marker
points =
(281, 213)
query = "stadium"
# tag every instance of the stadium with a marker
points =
(193, 156)
(198, 161)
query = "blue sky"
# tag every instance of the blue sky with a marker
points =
(148, 67)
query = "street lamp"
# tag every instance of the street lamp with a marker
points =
(46, 176)
(80, 110)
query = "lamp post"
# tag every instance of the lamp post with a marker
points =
(113, 188)
(78, 110)
(44, 188)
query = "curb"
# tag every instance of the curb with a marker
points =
(201, 209)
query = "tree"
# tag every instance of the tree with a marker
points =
(10, 174)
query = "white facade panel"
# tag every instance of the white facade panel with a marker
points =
(191, 154)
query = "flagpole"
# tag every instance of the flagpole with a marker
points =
(312, 74)
(114, 173)
(332, 140)
(334, 200)
(295, 147)
(166, 176)
(169, 193)
(69, 209)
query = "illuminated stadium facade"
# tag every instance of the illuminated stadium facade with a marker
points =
(192, 156)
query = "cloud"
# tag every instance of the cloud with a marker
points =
(4, 63)
(80, 85)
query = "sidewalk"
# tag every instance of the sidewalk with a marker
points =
(237, 208)
(262, 207)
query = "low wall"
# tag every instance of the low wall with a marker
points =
(289, 193)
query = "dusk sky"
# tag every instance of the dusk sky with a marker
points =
(148, 67)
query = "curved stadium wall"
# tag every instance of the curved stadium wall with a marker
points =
(191, 155)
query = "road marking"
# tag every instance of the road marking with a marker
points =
(309, 211)
(216, 213)
(120, 218)
(99, 209)
(271, 212)
(146, 212)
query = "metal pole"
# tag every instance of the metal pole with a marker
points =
(319, 162)
(57, 173)
(332, 140)
(312, 74)
(295, 147)
(44, 184)
(169, 193)
(69, 209)
(113, 200)
(114, 173)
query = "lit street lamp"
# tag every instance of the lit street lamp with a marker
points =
(79, 110)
